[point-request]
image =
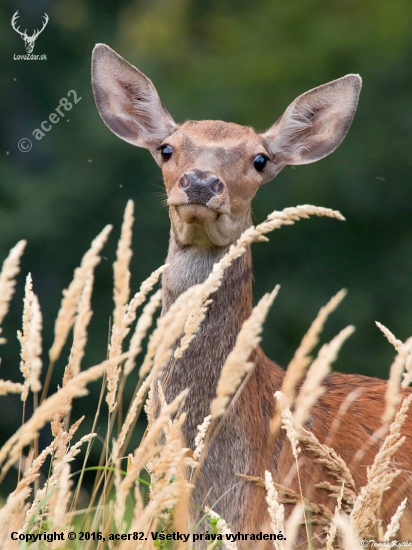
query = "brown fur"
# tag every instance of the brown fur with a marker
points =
(243, 444)
(310, 128)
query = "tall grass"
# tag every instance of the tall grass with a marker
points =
(49, 497)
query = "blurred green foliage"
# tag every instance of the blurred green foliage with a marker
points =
(238, 61)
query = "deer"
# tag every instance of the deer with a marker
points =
(29, 41)
(211, 171)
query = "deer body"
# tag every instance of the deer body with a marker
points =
(212, 170)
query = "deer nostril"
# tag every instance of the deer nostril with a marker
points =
(217, 187)
(184, 182)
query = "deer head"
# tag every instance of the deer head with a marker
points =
(213, 169)
(29, 41)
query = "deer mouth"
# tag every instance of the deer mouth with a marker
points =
(198, 214)
(200, 225)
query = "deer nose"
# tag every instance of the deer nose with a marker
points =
(200, 186)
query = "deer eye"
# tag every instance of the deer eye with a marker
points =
(166, 151)
(260, 162)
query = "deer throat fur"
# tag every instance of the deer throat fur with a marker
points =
(200, 367)
(234, 446)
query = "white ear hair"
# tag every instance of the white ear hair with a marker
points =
(315, 123)
(128, 101)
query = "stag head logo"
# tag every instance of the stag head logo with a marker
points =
(29, 41)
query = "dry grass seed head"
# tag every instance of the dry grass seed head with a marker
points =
(394, 525)
(222, 528)
(59, 516)
(143, 322)
(393, 387)
(350, 538)
(33, 470)
(159, 351)
(287, 423)
(142, 326)
(12, 516)
(145, 288)
(121, 294)
(63, 439)
(407, 375)
(7, 386)
(148, 406)
(164, 469)
(292, 527)
(312, 387)
(121, 266)
(158, 511)
(392, 441)
(275, 509)
(169, 486)
(31, 341)
(169, 329)
(131, 415)
(320, 514)
(23, 337)
(148, 447)
(301, 358)
(333, 528)
(237, 365)
(71, 296)
(396, 343)
(52, 483)
(138, 507)
(83, 317)
(119, 511)
(328, 457)
(379, 476)
(334, 491)
(192, 325)
(46, 411)
(11, 267)
(16, 501)
(200, 437)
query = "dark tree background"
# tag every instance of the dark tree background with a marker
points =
(238, 61)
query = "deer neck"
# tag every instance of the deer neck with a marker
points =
(200, 367)
(243, 432)
(191, 265)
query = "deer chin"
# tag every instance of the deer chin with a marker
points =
(198, 225)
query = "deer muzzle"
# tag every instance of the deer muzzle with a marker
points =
(200, 196)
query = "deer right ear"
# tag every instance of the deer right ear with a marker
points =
(128, 101)
(315, 123)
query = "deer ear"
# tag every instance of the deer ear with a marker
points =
(315, 123)
(128, 101)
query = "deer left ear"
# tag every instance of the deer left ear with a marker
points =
(128, 101)
(315, 123)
